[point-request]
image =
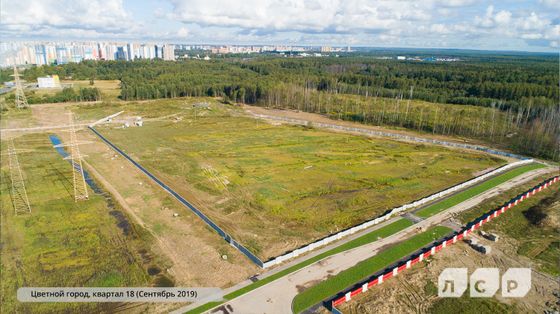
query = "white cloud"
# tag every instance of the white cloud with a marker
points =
(97, 16)
(397, 23)
(182, 32)
(457, 3)
(310, 16)
(502, 17)
(554, 4)
(528, 27)
(440, 29)
(459, 23)
(533, 22)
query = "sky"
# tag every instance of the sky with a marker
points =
(467, 24)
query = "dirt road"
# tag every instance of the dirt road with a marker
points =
(277, 296)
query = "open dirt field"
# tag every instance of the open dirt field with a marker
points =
(416, 289)
(533, 230)
(275, 188)
(196, 252)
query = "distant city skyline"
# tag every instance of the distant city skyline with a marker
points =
(47, 53)
(461, 24)
(61, 52)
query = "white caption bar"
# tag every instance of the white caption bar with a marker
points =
(100, 294)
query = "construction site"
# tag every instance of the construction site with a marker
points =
(197, 192)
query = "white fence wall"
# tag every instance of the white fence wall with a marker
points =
(337, 236)
(392, 135)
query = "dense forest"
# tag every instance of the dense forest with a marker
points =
(510, 101)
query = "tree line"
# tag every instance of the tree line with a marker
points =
(67, 94)
(513, 100)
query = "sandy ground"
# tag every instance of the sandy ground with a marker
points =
(405, 293)
(195, 253)
(194, 250)
(266, 299)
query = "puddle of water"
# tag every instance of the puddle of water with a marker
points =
(55, 140)
(163, 281)
(153, 270)
(123, 223)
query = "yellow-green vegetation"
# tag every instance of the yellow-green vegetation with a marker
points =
(533, 224)
(382, 232)
(473, 191)
(9, 112)
(148, 109)
(275, 188)
(63, 243)
(343, 280)
(110, 89)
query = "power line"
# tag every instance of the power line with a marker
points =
(19, 193)
(21, 100)
(75, 157)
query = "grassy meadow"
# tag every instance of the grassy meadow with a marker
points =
(110, 89)
(62, 243)
(275, 188)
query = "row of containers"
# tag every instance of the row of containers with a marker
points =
(389, 214)
(472, 226)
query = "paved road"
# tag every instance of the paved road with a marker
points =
(277, 296)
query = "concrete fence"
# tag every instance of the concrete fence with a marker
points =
(332, 238)
(397, 136)
(469, 228)
(322, 242)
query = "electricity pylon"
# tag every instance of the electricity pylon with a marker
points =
(19, 193)
(75, 157)
(21, 100)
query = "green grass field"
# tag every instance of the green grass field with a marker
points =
(364, 269)
(61, 243)
(10, 117)
(382, 232)
(471, 192)
(110, 89)
(275, 188)
(532, 225)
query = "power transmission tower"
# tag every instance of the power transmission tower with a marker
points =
(80, 187)
(75, 157)
(19, 193)
(21, 100)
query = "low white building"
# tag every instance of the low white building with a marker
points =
(48, 82)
